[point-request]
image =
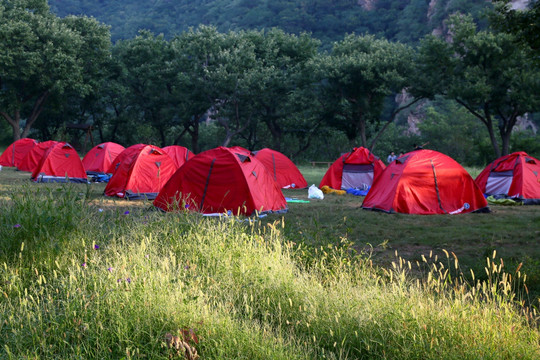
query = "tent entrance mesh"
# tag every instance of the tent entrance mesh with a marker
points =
(499, 182)
(357, 176)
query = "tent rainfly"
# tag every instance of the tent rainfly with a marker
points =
(140, 171)
(425, 182)
(222, 180)
(356, 169)
(515, 176)
(13, 155)
(283, 170)
(60, 163)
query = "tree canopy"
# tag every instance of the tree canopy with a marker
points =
(488, 73)
(42, 56)
(268, 87)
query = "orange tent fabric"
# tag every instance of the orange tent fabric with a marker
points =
(16, 152)
(283, 170)
(515, 175)
(179, 154)
(425, 182)
(60, 163)
(99, 159)
(140, 172)
(355, 169)
(33, 157)
(220, 180)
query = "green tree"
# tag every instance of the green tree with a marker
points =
(281, 61)
(524, 24)
(43, 56)
(197, 53)
(147, 60)
(486, 72)
(237, 81)
(451, 129)
(356, 79)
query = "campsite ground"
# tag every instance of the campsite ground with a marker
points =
(86, 276)
(512, 231)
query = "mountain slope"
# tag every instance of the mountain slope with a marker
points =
(327, 20)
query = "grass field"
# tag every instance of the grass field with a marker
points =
(83, 276)
(512, 231)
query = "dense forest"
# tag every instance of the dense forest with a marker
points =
(310, 80)
(327, 20)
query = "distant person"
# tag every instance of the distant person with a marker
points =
(400, 154)
(391, 157)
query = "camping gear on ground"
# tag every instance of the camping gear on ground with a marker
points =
(60, 163)
(328, 190)
(140, 171)
(221, 180)
(16, 152)
(425, 182)
(315, 193)
(353, 170)
(296, 200)
(99, 159)
(284, 171)
(502, 200)
(359, 192)
(33, 157)
(516, 176)
(179, 154)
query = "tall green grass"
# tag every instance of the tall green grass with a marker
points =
(81, 281)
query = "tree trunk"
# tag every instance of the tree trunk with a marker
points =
(36, 110)
(162, 136)
(14, 123)
(363, 133)
(505, 130)
(179, 137)
(489, 124)
(486, 120)
(195, 136)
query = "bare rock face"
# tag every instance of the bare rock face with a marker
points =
(416, 114)
(520, 4)
(524, 123)
(367, 4)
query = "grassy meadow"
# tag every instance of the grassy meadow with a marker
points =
(83, 276)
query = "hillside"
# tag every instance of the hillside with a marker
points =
(328, 21)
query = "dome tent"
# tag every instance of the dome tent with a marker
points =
(13, 155)
(178, 153)
(221, 180)
(515, 176)
(283, 170)
(356, 169)
(33, 157)
(60, 163)
(100, 157)
(425, 182)
(140, 171)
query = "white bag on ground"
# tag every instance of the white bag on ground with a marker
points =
(315, 193)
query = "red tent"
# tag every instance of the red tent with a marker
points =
(221, 180)
(60, 163)
(425, 182)
(353, 170)
(141, 171)
(516, 175)
(33, 157)
(179, 154)
(285, 173)
(15, 152)
(100, 157)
